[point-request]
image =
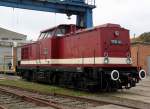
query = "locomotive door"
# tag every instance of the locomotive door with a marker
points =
(38, 47)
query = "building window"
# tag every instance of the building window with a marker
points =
(4, 38)
(16, 39)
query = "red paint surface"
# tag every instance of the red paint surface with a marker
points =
(81, 44)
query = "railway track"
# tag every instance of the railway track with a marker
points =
(13, 101)
(55, 101)
(59, 101)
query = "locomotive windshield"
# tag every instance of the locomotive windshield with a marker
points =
(62, 30)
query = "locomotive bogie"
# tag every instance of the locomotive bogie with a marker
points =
(93, 79)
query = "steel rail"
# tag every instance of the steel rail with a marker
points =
(30, 99)
(2, 107)
(122, 103)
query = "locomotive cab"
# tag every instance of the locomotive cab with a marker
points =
(59, 31)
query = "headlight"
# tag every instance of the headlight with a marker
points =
(128, 61)
(106, 60)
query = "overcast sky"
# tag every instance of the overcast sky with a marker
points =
(131, 14)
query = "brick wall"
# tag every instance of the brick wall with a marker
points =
(139, 54)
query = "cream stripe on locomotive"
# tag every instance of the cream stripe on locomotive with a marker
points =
(92, 60)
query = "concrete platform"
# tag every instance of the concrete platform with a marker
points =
(141, 92)
(138, 96)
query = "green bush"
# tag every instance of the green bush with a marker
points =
(145, 37)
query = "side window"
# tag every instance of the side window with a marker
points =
(48, 34)
(45, 51)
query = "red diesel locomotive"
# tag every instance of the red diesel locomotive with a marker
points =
(92, 59)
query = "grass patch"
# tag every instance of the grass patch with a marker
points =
(42, 87)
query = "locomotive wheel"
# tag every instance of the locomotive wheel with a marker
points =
(34, 77)
(27, 75)
(49, 78)
(105, 86)
(54, 78)
(92, 88)
(109, 86)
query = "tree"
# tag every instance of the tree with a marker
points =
(145, 37)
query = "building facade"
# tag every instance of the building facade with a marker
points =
(140, 53)
(9, 40)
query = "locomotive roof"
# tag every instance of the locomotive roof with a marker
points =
(56, 27)
(107, 25)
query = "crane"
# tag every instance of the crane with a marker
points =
(81, 8)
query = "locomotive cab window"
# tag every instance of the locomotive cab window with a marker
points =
(42, 35)
(45, 35)
(62, 30)
(48, 34)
